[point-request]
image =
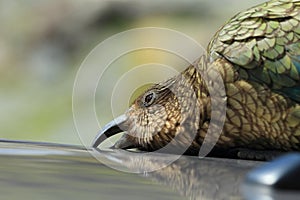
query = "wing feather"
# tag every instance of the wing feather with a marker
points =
(264, 41)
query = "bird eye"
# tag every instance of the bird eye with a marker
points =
(148, 98)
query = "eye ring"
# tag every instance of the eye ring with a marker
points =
(149, 98)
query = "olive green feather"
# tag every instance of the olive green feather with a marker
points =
(264, 42)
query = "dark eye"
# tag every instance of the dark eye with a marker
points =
(148, 98)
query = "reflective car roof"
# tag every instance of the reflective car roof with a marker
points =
(54, 171)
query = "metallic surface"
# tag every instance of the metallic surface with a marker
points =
(283, 173)
(53, 171)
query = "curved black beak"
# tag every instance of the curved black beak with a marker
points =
(112, 128)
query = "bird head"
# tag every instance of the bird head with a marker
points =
(167, 114)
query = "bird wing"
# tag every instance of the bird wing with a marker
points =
(263, 43)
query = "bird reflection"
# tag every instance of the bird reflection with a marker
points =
(191, 177)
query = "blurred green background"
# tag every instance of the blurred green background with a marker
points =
(42, 44)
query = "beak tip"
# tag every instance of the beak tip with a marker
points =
(94, 145)
(109, 130)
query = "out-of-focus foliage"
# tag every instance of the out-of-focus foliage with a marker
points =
(42, 44)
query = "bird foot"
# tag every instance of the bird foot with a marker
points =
(246, 154)
(262, 155)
